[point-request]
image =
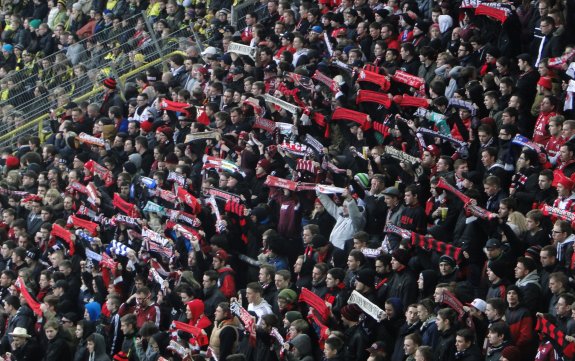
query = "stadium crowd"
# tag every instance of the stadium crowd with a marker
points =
(334, 180)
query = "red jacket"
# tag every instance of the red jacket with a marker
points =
(226, 281)
(541, 133)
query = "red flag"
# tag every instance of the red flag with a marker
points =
(190, 200)
(35, 306)
(60, 232)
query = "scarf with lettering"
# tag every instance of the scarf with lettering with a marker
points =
(315, 302)
(352, 115)
(130, 209)
(371, 77)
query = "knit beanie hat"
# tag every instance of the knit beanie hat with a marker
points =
(291, 316)
(351, 312)
(498, 268)
(401, 256)
(288, 294)
(362, 179)
(110, 83)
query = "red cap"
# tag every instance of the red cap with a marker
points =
(167, 131)
(12, 162)
(560, 178)
(545, 82)
(221, 254)
(146, 126)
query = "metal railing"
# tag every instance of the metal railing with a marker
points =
(239, 12)
(33, 91)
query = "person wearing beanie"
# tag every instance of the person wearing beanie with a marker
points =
(290, 317)
(226, 274)
(365, 283)
(259, 190)
(496, 272)
(520, 320)
(111, 97)
(355, 336)
(511, 353)
(403, 283)
(395, 207)
(447, 269)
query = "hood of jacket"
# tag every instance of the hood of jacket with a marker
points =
(303, 344)
(197, 308)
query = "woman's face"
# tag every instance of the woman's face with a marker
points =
(44, 281)
(51, 333)
(79, 332)
(297, 265)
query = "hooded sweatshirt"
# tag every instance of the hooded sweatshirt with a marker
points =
(99, 353)
(302, 343)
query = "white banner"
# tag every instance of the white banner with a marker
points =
(281, 103)
(242, 49)
(366, 305)
(327, 189)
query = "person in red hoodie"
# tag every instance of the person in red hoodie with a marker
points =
(226, 279)
(541, 133)
(197, 318)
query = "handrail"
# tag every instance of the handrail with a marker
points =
(40, 120)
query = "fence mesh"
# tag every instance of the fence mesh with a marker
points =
(240, 11)
(76, 73)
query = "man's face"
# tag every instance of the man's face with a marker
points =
(555, 286)
(409, 347)
(126, 328)
(564, 154)
(352, 264)
(441, 324)
(410, 199)
(206, 282)
(483, 137)
(520, 271)
(494, 339)
(385, 33)
(251, 295)
(490, 312)
(546, 259)
(445, 269)
(487, 159)
(567, 131)
(562, 308)
(317, 276)
(442, 165)
(216, 263)
(503, 211)
(490, 189)
(263, 276)
(489, 102)
(411, 315)
(280, 282)
(461, 344)
(546, 28)
(307, 236)
(544, 183)
(546, 105)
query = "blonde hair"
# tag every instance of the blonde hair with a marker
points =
(519, 220)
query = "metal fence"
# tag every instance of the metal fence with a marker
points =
(123, 50)
(239, 12)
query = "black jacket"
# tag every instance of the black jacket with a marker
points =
(445, 350)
